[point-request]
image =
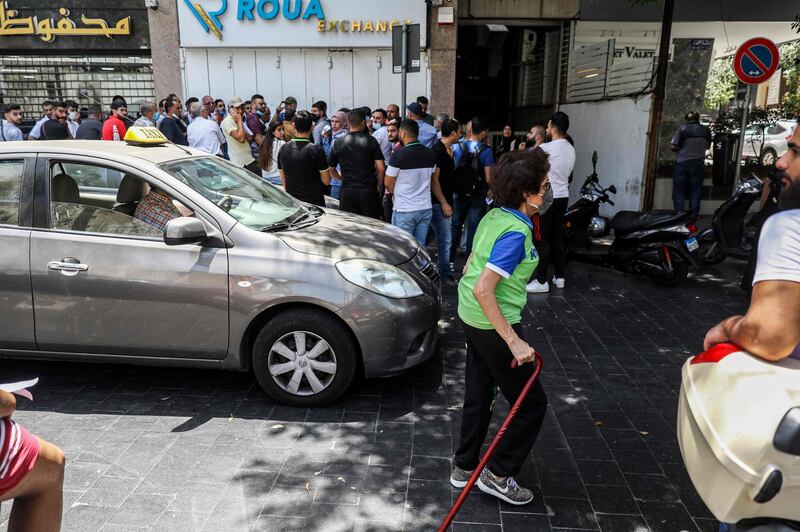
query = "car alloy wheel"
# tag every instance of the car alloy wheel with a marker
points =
(302, 363)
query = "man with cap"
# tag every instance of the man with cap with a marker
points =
(288, 104)
(427, 133)
(552, 248)
(235, 131)
(690, 143)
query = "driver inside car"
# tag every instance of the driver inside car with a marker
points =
(157, 208)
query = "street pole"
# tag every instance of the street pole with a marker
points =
(404, 71)
(658, 106)
(742, 127)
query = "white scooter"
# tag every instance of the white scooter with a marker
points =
(739, 433)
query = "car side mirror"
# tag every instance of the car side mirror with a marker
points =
(612, 189)
(184, 230)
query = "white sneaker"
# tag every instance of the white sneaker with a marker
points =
(535, 287)
(558, 282)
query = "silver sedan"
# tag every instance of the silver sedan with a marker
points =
(231, 273)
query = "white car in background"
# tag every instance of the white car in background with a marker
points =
(770, 145)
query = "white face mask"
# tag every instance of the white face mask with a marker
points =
(74, 116)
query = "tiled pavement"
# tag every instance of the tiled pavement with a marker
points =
(184, 450)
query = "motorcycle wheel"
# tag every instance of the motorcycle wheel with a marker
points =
(710, 252)
(680, 271)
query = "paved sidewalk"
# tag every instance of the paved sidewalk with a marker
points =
(187, 450)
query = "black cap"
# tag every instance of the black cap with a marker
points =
(560, 120)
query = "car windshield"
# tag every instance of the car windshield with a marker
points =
(244, 196)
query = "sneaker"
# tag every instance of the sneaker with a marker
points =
(506, 490)
(558, 282)
(535, 287)
(459, 478)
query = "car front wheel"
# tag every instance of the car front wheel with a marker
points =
(304, 357)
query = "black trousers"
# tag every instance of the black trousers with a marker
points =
(363, 201)
(489, 363)
(552, 247)
(254, 168)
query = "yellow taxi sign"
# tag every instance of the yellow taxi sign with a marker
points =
(145, 136)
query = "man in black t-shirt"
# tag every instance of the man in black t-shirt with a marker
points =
(56, 128)
(91, 127)
(302, 164)
(443, 149)
(363, 168)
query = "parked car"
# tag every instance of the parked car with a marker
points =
(769, 145)
(307, 297)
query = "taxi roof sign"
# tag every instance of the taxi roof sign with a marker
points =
(145, 136)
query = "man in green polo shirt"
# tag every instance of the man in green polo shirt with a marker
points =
(491, 296)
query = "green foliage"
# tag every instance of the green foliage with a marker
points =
(721, 85)
(790, 66)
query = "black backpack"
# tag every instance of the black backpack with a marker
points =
(469, 175)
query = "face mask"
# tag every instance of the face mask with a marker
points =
(376, 126)
(259, 113)
(157, 116)
(314, 117)
(221, 112)
(73, 116)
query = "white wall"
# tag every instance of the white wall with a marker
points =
(350, 78)
(617, 129)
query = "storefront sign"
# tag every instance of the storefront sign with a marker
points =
(296, 23)
(26, 25)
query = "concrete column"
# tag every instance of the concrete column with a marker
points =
(165, 48)
(443, 61)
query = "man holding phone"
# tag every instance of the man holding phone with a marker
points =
(235, 131)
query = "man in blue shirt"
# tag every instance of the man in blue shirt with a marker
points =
(9, 123)
(468, 207)
(690, 143)
(427, 133)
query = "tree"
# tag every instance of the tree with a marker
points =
(721, 85)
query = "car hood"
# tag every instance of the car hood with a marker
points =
(342, 235)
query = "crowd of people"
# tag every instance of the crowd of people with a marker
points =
(428, 175)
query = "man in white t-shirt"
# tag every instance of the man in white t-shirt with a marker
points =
(552, 248)
(236, 136)
(411, 176)
(771, 327)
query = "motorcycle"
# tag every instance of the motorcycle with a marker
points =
(658, 244)
(729, 235)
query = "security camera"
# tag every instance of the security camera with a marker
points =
(152, 4)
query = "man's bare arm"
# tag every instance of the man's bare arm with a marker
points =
(771, 327)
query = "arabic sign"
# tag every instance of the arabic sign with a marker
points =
(296, 23)
(755, 61)
(73, 24)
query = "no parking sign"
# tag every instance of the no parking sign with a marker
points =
(756, 60)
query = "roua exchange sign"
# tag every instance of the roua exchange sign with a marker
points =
(296, 23)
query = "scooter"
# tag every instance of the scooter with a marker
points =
(729, 235)
(658, 244)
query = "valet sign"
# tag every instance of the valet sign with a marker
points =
(296, 23)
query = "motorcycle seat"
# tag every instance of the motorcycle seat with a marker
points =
(630, 221)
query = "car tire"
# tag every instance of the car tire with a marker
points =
(331, 369)
(768, 158)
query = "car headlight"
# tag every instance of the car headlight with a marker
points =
(378, 277)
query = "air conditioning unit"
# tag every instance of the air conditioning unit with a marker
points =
(529, 40)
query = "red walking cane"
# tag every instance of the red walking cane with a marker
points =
(500, 433)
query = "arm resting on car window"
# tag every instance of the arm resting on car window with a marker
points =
(771, 327)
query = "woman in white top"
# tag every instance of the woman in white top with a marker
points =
(268, 154)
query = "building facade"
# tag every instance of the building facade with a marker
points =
(88, 51)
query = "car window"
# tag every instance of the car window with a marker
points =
(10, 183)
(246, 197)
(775, 130)
(84, 198)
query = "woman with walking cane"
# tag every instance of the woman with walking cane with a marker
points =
(491, 296)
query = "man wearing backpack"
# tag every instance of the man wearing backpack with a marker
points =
(473, 174)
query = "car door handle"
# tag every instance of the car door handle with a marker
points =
(68, 266)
